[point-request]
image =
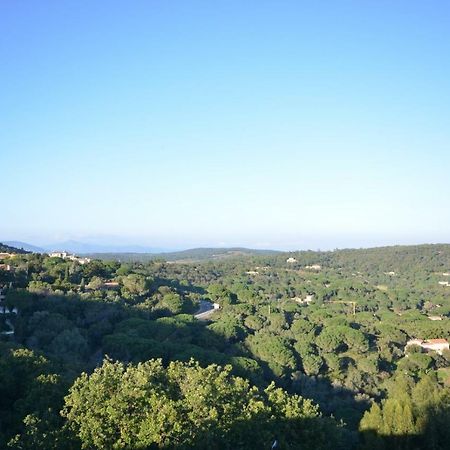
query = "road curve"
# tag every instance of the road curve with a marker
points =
(205, 310)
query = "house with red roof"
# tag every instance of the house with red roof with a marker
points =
(433, 345)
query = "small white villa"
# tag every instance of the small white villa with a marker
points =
(304, 301)
(291, 260)
(314, 267)
(433, 345)
(62, 255)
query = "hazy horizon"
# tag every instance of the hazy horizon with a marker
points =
(124, 244)
(258, 124)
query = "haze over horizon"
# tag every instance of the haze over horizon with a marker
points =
(191, 124)
(102, 244)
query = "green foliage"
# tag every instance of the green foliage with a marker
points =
(254, 322)
(220, 294)
(409, 420)
(30, 398)
(135, 284)
(186, 406)
(230, 329)
(274, 351)
(343, 361)
(173, 303)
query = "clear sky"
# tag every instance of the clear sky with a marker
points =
(281, 124)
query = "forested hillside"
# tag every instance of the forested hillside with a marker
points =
(8, 249)
(191, 255)
(307, 349)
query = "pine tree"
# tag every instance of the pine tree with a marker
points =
(370, 427)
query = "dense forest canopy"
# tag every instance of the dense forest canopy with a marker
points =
(305, 349)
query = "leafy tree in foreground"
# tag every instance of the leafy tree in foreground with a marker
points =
(30, 398)
(187, 406)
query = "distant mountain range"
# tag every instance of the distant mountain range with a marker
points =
(82, 248)
(137, 252)
(25, 246)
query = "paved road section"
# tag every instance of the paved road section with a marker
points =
(205, 310)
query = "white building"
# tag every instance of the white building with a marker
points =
(304, 301)
(434, 345)
(82, 260)
(62, 255)
(291, 260)
(314, 267)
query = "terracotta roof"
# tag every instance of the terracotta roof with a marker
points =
(437, 341)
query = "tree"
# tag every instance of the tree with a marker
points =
(330, 339)
(173, 303)
(370, 428)
(135, 284)
(220, 294)
(30, 398)
(95, 283)
(94, 268)
(273, 350)
(312, 364)
(230, 329)
(187, 406)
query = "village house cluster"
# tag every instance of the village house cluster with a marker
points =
(70, 256)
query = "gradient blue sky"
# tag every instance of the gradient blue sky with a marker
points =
(282, 124)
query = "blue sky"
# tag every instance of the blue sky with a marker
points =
(282, 124)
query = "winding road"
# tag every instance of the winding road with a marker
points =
(11, 328)
(205, 310)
